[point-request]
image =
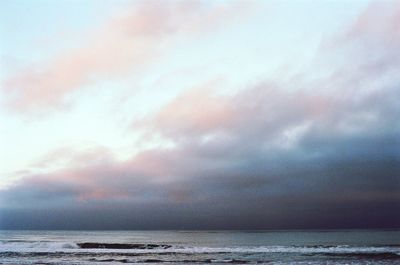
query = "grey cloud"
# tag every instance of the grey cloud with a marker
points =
(271, 158)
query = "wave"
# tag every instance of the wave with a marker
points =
(231, 261)
(181, 257)
(164, 249)
(380, 255)
(122, 246)
(50, 245)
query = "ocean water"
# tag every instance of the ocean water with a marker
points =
(205, 247)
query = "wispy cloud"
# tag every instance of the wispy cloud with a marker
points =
(122, 45)
(328, 155)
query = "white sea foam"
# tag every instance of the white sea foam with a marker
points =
(283, 248)
(38, 246)
(69, 247)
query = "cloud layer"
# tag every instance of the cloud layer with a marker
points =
(269, 156)
(126, 43)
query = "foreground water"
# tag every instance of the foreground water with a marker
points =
(187, 247)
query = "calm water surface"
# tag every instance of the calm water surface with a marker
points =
(188, 247)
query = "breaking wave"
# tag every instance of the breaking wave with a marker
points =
(49, 247)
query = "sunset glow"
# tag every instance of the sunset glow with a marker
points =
(199, 114)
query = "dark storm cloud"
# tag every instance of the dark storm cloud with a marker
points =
(268, 157)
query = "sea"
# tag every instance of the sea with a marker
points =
(200, 247)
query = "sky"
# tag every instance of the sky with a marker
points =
(199, 114)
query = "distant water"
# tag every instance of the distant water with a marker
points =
(187, 247)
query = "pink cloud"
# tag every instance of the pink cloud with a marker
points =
(69, 157)
(201, 112)
(196, 110)
(94, 174)
(348, 146)
(369, 45)
(124, 44)
(379, 22)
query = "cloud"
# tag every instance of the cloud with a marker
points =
(377, 24)
(340, 167)
(371, 42)
(269, 156)
(125, 44)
